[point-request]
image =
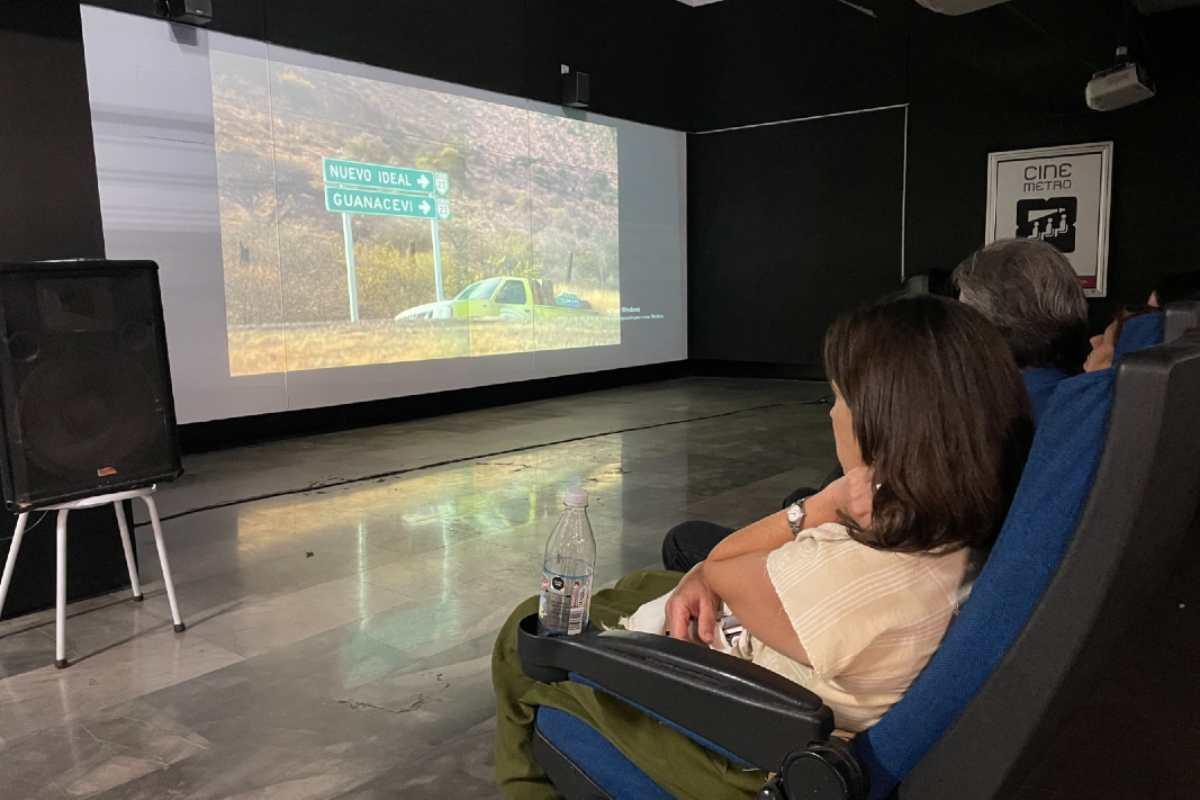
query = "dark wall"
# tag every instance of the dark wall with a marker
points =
(49, 201)
(788, 225)
(635, 51)
(50, 208)
(1008, 77)
(762, 60)
(967, 101)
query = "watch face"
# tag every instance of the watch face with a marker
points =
(794, 513)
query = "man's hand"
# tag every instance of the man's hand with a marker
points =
(693, 599)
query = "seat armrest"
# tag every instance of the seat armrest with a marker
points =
(746, 710)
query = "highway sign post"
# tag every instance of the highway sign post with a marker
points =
(356, 187)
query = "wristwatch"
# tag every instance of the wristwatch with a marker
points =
(795, 516)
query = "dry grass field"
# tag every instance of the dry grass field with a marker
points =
(255, 350)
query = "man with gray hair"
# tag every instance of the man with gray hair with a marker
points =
(1028, 289)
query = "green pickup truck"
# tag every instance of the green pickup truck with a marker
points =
(503, 297)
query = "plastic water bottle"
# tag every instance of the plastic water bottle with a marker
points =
(567, 570)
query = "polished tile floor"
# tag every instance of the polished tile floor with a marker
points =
(340, 629)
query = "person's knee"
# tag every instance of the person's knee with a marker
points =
(672, 547)
(689, 543)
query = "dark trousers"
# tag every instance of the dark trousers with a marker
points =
(689, 543)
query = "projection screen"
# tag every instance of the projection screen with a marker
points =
(329, 232)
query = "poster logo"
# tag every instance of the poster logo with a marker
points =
(1051, 219)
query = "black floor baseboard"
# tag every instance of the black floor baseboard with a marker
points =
(198, 437)
(754, 369)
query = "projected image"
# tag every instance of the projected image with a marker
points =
(366, 222)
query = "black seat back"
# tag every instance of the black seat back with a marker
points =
(1142, 503)
(1181, 317)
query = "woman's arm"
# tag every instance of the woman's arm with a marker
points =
(762, 536)
(742, 582)
(850, 493)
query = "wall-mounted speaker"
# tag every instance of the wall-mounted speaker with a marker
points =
(576, 89)
(191, 12)
(85, 388)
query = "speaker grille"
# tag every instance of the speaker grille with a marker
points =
(84, 378)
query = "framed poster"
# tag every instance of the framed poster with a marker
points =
(1059, 195)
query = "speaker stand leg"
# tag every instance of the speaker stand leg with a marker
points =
(152, 507)
(127, 546)
(18, 534)
(60, 607)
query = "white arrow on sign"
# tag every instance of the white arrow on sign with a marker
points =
(424, 206)
(423, 181)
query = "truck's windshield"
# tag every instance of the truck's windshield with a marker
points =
(480, 290)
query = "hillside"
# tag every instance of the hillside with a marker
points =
(530, 194)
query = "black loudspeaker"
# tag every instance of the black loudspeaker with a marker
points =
(192, 12)
(576, 89)
(84, 381)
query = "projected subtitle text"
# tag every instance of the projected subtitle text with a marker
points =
(632, 313)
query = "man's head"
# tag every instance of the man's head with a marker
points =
(1029, 291)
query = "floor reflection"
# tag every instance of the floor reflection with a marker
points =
(339, 637)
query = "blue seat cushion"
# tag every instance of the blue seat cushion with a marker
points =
(1040, 383)
(596, 756)
(1138, 333)
(1053, 490)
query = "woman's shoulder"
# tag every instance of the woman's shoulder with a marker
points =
(832, 545)
(828, 532)
(838, 536)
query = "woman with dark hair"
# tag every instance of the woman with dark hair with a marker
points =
(932, 419)
(1028, 290)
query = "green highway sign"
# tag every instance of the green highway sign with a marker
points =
(356, 187)
(385, 204)
(380, 176)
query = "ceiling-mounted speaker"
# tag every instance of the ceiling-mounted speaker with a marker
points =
(576, 88)
(956, 7)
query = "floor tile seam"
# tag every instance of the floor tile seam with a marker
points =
(470, 458)
(44, 620)
(78, 717)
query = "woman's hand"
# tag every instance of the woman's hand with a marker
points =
(692, 599)
(853, 494)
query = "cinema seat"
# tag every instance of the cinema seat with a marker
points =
(1180, 318)
(1108, 492)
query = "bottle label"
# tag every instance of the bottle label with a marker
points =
(563, 607)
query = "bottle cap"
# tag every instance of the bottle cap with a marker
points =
(576, 498)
